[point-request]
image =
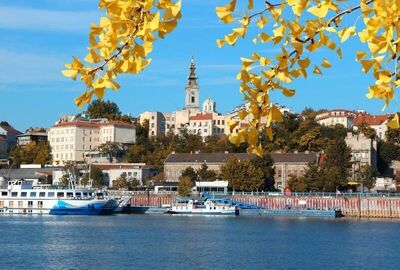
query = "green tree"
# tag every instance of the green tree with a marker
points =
(367, 176)
(185, 186)
(204, 174)
(111, 149)
(393, 135)
(337, 166)
(266, 165)
(85, 180)
(297, 184)
(191, 173)
(4, 124)
(103, 109)
(96, 175)
(121, 182)
(365, 129)
(242, 175)
(37, 153)
(387, 152)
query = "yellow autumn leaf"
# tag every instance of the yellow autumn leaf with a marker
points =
(394, 122)
(367, 64)
(220, 42)
(70, 73)
(360, 55)
(92, 57)
(288, 92)
(345, 33)
(326, 64)
(232, 124)
(320, 10)
(317, 71)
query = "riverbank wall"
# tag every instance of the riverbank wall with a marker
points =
(363, 207)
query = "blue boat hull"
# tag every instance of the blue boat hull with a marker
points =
(97, 208)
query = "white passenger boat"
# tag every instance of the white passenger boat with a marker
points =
(183, 206)
(21, 197)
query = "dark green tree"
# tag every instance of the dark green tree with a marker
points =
(185, 186)
(365, 129)
(191, 173)
(111, 149)
(103, 109)
(367, 176)
(204, 174)
(242, 175)
(121, 182)
(96, 175)
(337, 166)
(266, 165)
(5, 124)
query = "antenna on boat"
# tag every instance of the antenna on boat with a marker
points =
(72, 179)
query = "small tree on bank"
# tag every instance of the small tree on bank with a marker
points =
(185, 186)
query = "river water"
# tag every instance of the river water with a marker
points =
(171, 242)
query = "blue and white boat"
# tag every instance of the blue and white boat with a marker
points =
(187, 206)
(21, 197)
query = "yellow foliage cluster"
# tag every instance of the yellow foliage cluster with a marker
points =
(121, 43)
(300, 28)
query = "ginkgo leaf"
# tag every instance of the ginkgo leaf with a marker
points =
(367, 64)
(70, 73)
(317, 71)
(320, 10)
(326, 64)
(345, 33)
(394, 122)
(288, 92)
(361, 55)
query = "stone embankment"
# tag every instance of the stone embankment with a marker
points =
(364, 207)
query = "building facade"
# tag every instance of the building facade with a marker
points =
(334, 117)
(285, 164)
(363, 150)
(138, 171)
(376, 122)
(8, 139)
(70, 141)
(36, 135)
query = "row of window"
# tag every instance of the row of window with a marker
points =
(46, 194)
(291, 172)
(21, 204)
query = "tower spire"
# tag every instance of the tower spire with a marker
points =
(192, 79)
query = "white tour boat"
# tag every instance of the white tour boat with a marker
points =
(21, 197)
(183, 206)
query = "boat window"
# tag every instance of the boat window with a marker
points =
(40, 204)
(85, 194)
(1, 204)
(60, 194)
(50, 194)
(42, 194)
(10, 204)
(78, 194)
(14, 194)
(23, 194)
(30, 204)
(20, 204)
(70, 195)
(4, 193)
(33, 194)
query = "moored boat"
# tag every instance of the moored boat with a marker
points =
(21, 197)
(186, 206)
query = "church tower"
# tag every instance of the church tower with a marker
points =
(192, 90)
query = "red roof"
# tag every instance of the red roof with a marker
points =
(77, 124)
(94, 125)
(11, 130)
(118, 123)
(371, 120)
(117, 166)
(200, 116)
(334, 113)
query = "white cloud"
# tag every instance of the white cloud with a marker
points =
(45, 20)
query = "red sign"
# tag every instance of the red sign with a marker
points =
(287, 191)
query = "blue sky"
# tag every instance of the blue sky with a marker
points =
(38, 37)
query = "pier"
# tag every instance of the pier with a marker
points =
(355, 206)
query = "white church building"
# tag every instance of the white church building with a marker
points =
(205, 121)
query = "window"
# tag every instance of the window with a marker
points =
(30, 204)
(70, 195)
(20, 204)
(40, 204)
(10, 204)
(42, 194)
(60, 194)
(4, 193)
(50, 194)
(192, 99)
(14, 194)
(33, 194)
(1, 204)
